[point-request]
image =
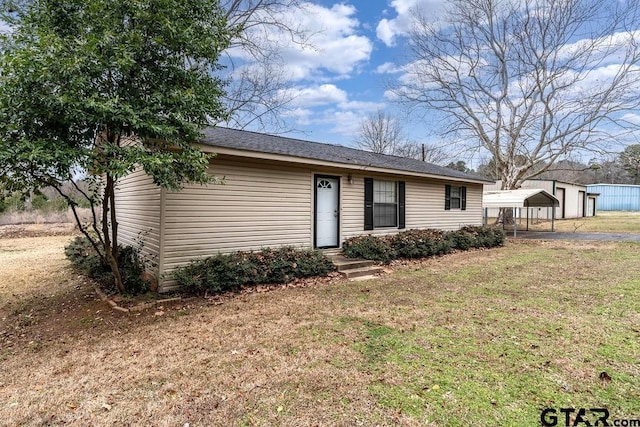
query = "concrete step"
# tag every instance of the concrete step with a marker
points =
(343, 263)
(332, 252)
(362, 271)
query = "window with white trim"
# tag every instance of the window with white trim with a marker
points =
(455, 197)
(385, 204)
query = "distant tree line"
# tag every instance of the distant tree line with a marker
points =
(613, 168)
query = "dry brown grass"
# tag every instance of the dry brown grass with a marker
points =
(307, 356)
(44, 217)
(609, 222)
(32, 266)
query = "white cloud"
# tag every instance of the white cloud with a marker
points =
(301, 116)
(632, 118)
(386, 31)
(361, 106)
(345, 122)
(329, 107)
(317, 95)
(390, 29)
(388, 68)
(333, 44)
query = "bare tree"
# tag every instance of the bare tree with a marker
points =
(380, 133)
(384, 134)
(528, 83)
(431, 153)
(257, 89)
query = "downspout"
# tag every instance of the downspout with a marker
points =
(553, 208)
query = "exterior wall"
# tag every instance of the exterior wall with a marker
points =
(424, 205)
(260, 204)
(616, 197)
(138, 204)
(573, 203)
(591, 206)
(574, 199)
(268, 203)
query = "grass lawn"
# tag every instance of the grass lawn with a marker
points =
(610, 222)
(485, 338)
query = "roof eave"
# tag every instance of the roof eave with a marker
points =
(207, 148)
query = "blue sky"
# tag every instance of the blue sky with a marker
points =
(357, 46)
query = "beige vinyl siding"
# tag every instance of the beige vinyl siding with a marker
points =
(270, 203)
(261, 204)
(424, 205)
(138, 202)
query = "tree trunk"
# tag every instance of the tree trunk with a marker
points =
(110, 234)
(505, 216)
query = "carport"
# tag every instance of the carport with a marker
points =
(522, 198)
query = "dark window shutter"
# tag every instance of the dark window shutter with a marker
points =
(368, 203)
(401, 210)
(463, 198)
(447, 197)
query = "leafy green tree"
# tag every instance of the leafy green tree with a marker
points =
(461, 166)
(630, 160)
(106, 86)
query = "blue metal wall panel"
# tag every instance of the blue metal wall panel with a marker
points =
(614, 197)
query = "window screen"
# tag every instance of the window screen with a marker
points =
(385, 204)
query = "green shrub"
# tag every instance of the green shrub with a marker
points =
(478, 237)
(39, 202)
(462, 239)
(421, 243)
(369, 247)
(12, 202)
(229, 272)
(130, 261)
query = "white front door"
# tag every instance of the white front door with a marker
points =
(327, 211)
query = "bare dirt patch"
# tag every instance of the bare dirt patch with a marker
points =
(40, 295)
(37, 230)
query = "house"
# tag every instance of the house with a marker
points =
(617, 197)
(576, 201)
(282, 191)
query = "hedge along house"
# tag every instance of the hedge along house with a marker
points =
(281, 191)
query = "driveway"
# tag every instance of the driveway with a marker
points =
(548, 235)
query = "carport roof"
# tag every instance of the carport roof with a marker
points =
(524, 197)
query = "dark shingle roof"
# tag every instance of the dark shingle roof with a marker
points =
(263, 143)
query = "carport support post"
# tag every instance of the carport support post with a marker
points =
(486, 216)
(515, 223)
(553, 218)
